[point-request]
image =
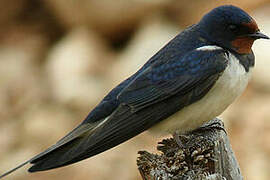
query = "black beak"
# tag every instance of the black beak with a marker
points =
(258, 35)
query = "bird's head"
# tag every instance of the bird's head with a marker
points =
(232, 28)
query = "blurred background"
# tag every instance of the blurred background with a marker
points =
(59, 58)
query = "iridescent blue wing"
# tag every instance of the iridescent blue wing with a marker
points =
(155, 92)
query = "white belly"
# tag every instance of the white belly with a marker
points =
(228, 87)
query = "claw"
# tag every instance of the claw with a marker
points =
(178, 140)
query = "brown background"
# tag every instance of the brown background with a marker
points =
(59, 58)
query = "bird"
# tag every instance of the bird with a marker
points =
(188, 82)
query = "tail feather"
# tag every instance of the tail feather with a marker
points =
(56, 158)
(68, 141)
(103, 137)
(89, 139)
(78, 132)
(14, 169)
(65, 149)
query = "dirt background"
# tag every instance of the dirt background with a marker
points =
(59, 58)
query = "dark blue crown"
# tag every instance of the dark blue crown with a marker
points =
(227, 14)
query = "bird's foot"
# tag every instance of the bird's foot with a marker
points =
(176, 137)
(211, 127)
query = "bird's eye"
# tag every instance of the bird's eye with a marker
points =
(233, 28)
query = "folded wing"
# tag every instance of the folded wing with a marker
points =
(150, 96)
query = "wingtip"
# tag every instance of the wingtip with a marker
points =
(33, 169)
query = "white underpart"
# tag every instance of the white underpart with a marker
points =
(228, 87)
(208, 48)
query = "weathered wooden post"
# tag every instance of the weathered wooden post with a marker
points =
(206, 155)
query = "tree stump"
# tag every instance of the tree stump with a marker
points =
(206, 155)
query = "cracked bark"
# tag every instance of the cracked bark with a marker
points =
(206, 155)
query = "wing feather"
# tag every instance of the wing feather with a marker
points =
(152, 94)
(143, 103)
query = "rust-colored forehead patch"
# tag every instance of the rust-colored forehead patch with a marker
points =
(252, 26)
(243, 45)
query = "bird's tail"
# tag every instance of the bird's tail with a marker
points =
(60, 153)
(91, 138)
(14, 169)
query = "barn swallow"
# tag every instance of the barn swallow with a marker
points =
(190, 81)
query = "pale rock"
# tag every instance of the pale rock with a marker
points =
(21, 85)
(75, 66)
(47, 123)
(105, 16)
(8, 135)
(19, 77)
